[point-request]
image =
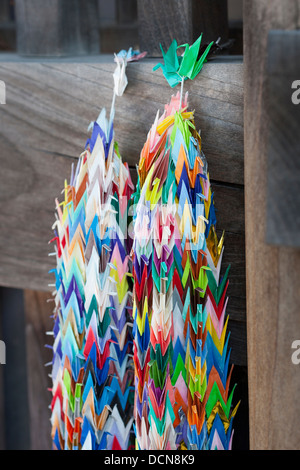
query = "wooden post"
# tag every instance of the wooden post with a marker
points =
(59, 28)
(183, 20)
(272, 273)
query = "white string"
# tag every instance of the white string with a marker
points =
(112, 108)
(181, 93)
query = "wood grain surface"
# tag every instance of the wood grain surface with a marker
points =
(272, 273)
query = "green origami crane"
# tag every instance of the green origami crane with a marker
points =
(177, 68)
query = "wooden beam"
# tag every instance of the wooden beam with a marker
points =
(57, 100)
(272, 273)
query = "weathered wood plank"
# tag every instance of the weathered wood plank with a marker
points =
(283, 180)
(272, 274)
(37, 315)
